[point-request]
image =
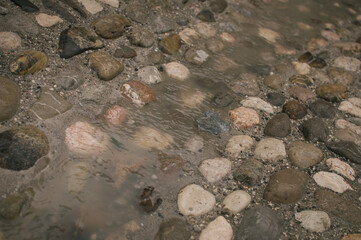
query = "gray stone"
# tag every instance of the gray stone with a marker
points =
(95, 94)
(141, 37)
(149, 75)
(137, 12)
(347, 63)
(9, 98)
(301, 94)
(323, 109)
(349, 150)
(21, 24)
(276, 99)
(249, 173)
(304, 155)
(162, 24)
(9, 41)
(213, 123)
(173, 229)
(315, 129)
(125, 52)
(16, 204)
(70, 79)
(314, 221)
(194, 144)
(278, 126)
(155, 58)
(246, 84)
(348, 135)
(270, 149)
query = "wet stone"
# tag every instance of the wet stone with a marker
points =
(15, 205)
(238, 144)
(347, 63)
(22, 147)
(137, 12)
(268, 34)
(349, 47)
(189, 36)
(304, 155)
(139, 36)
(323, 109)
(116, 115)
(318, 63)
(214, 45)
(9, 41)
(150, 138)
(29, 62)
(76, 40)
(306, 57)
(46, 20)
(155, 58)
(236, 201)
(315, 129)
(257, 103)
(177, 71)
(217, 229)
(170, 44)
(334, 92)
(149, 75)
(301, 94)
(173, 229)
(149, 200)
(206, 30)
(105, 65)
(206, 16)
(260, 69)
(9, 98)
(270, 149)
(162, 24)
(331, 181)
(196, 56)
(215, 169)
(278, 126)
(276, 99)
(137, 92)
(249, 173)
(294, 109)
(110, 27)
(261, 223)
(244, 117)
(246, 84)
(49, 105)
(338, 206)
(125, 52)
(314, 221)
(21, 24)
(274, 82)
(223, 99)
(26, 6)
(349, 150)
(218, 6)
(212, 122)
(194, 144)
(301, 80)
(170, 164)
(286, 186)
(341, 76)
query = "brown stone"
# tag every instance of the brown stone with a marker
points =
(304, 155)
(110, 27)
(29, 62)
(352, 236)
(170, 44)
(9, 98)
(294, 109)
(137, 92)
(341, 76)
(301, 80)
(306, 57)
(300, 93)
(105, 65)
(334, 92)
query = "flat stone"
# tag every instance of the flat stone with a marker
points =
(196, 56)
(338, 206)
(347, 63)
(274, 82)
(301, 94)
(341, 76)
(238, 144)
(270, 149)
(331, 181)
(149, 75)
(49, 105)
(236, 201)
(95, 94)
(246, 84)
(195, 201)
(194, 144)
(46, 20)
(177, 71)
(29, 62)
(257, 103)
(170, 44)
(20, 23)
(137, 12)
(125, 52)
(137, 92)
(212, 122)
(349, 150)
(116, 115)
(9, 98)
(162, 24)
(217, 229)
(341, 167)
(9, 41)
(286, 186)
(218, 6)
(249, 173)
(314, 221)
(173, 229)
(278, 126)
(15, 204)
(348, 135)
(261, 223)
(332, 92)
(350, 108)
(206, 16)
(91, 6)
(315, 129)
(26, 6)
(22, 147)
(105, 65)
(140, 36)
(276, 99)
(304, 155)
(110, 27)
(294, 109)
(268, 34)
(215, 169)
(75, 40)
(244, 117)
(150, 138)
(323, 109)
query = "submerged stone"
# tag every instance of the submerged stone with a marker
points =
(213, 123)
(244, 117)
(170, 44)
(173, 229)
(137, 92)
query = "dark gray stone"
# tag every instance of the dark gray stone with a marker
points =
(213, 123)
(355, 120)
(278, 126)
(249, 173)
(259, 223)
(323, 109)
(141, 37)
(77, 6)
(53, 5)
(223, 99)
(162, 24)
(173, 229)
(26, 6)
(218, 6)
(125, 52)
(9, 98)
(315, 129)
(349, 150)
(3, 9)
(276, 99)
(260, 69)
(206, 16)
(181, 20)
(19, 23)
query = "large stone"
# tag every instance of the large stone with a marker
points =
(111, 26)
(206, 30)
(105, 65)
(249, 173)
(331, 181)
(137, 92)
(315, 129)
(212, 122)
(286, 186)
(162, 24)
(244, 117)
(140, 36)
(149, 75)
(173, 229)
(270, 149)
(150, 138)
(349, 150)
(257, 103)
(9, 98)
(341, 76)
(236, 201)
(217, 229)
(334, 92)
(323, 109)
(347, 63)
(116, 115)
(215, 169)
(170, 44)
(177, 71)
(246, 84)
(314, 221)
(278, 126)
(304, 155)
(294, 109)
(238, 144)
(9, 41)
(29, 62)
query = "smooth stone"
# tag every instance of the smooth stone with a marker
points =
(302, 80)
(274, 82)
(218, 6)
(331, 181)
(9, 41)
(268, 34)
(244, 117)
(302, 68)
(249, 173)
(333, 92)
(137, 12)
(137, 92)
(53, 5)
(195, 201)
(217, 229)
(170, 44)
(77, 176)
(113, 3)
(177, 71)
(246, 84)
(261, 69)
(276, 99)
(223, 63)
(104, 65)
(355, 101)
(116, 115)
(173, 229)
(323, 109)
(110, 27)
(76, 40)
(212, 122)
(355, 121)
(196, 56)
(236, 201)
(257, 103)
(162, 24)
(352, 236)
(349, 47)
(270, 149)
(306, 57)
(238, 144)
(315, 129)
(350, 108)
(223, 99)
(294, 109)
(286, 186)
(341, 76)
(206, 16)
(181, 20)
(46, 20)
(29, 62)
(278, 126)
(125, 52)
(155, 58)
(348, 135)
(206, 30)
(9, 98)
(215, 169)
(338, 206)
(330, 36)
(95, 94)
(193, 98)
(301, 94)
(349, 150)
(214, 45)
(16, 204)
(70, 79)
(260, 223)
(347, 63)
(343, 124)
(22, 147)
(20, 23)
(194, 144)
(189, 36)
(26, 6)
(149, 75)
(314, 221)
(140, 36)
(318, 63)
(304, 155)
(49, 105)
(91, 6)
(84, 138)
(150, 138)
(77, 6)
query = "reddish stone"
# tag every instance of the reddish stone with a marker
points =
(244, 117)
(116, 115)
(137, 92)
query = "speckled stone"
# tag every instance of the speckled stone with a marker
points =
(212, 122)
(270, 149)
(304, 155)
(137, 92)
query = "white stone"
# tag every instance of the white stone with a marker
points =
(194, 200)
(226, 37)
(84, 138)
(189, 35)
(343, 124)
(113, 3)
(149, 75)
(206, 29)
(301, 68)
(270, 149)
(355, 101)
(193, 98)
(78, 174)
(150, 138)
(257, 103)
(341, 167)
(217, 229)
(332, 181)
(9, 41)
(268, 34)
(194, 144)
(177, 71)
(237, 201)
(46, 20)
(238, 144)
(350, 108)
(215, 169)
(314, 221)
(347, 63)
(91, 6)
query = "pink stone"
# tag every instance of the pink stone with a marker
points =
(244, 117)
(116, 115)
